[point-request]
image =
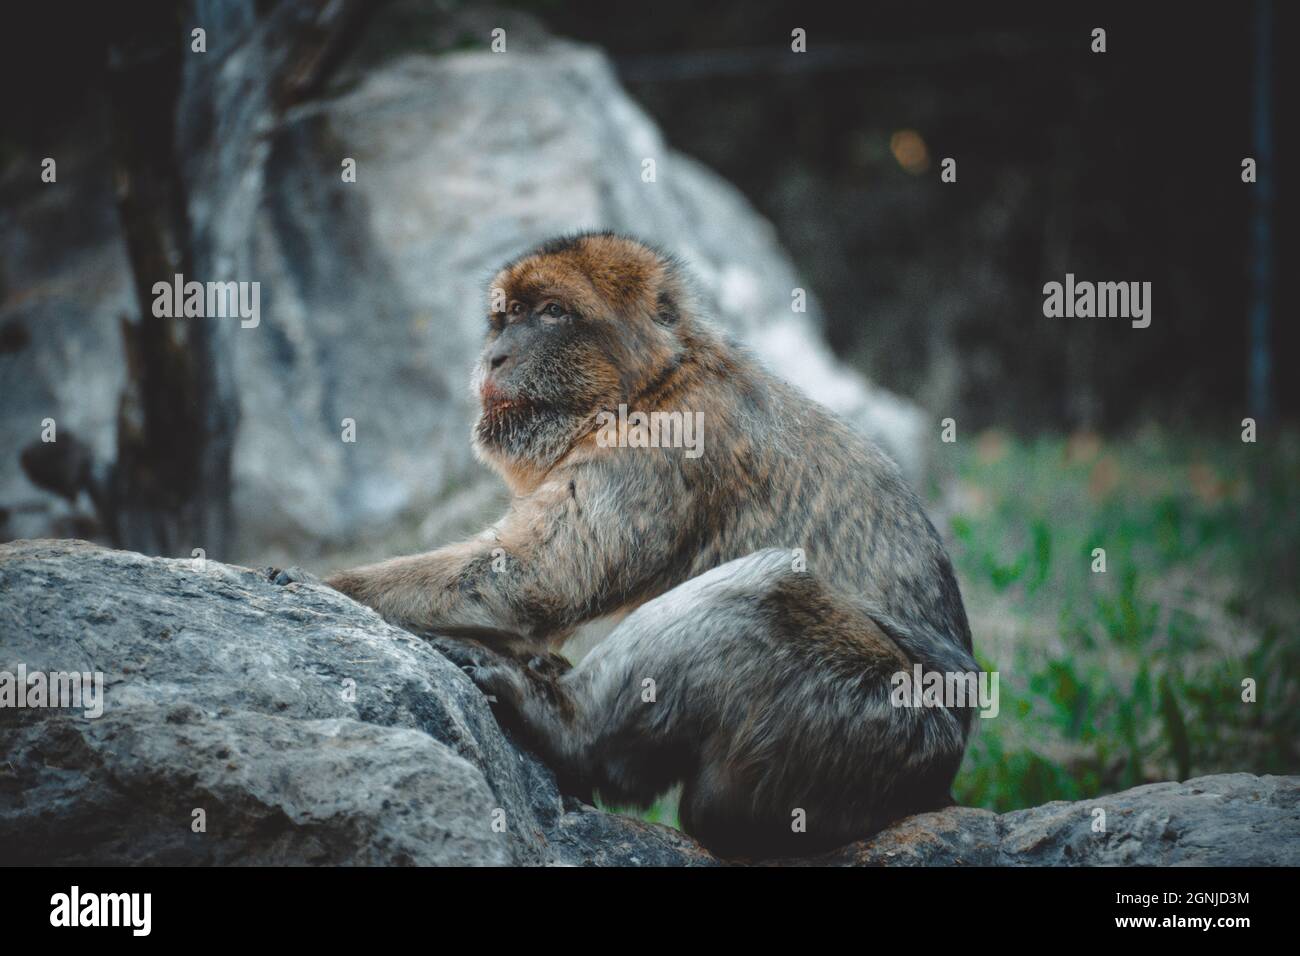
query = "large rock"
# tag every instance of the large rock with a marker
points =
(305, 727)
(309, 731)
(373, 293)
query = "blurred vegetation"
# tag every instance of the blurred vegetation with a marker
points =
(1110, 680)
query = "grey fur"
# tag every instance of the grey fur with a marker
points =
(748, 714)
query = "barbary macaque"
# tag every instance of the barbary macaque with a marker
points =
(772, 582)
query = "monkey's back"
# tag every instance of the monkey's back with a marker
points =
(782, 471)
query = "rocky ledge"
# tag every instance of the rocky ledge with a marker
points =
(243, 723)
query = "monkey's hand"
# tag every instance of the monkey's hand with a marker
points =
(502, 682)
(287, 576)
(475, 657)
(531, 702)
(496, 674)
(465, 654)
(506, 677)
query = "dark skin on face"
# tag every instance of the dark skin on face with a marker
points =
(524, 334)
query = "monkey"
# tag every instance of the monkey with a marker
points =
(770, 586)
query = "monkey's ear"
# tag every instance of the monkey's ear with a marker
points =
(666, 310)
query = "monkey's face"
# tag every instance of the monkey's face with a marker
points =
(573, 329)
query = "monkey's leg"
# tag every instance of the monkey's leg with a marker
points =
(767, 694)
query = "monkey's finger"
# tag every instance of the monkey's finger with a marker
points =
(469, 653)
(293, 575)
(549, 665)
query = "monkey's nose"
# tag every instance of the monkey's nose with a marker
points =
(497, 359)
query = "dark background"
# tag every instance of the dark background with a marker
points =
(1122, 166)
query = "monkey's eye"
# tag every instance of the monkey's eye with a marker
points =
(553, 313)
(516, 308)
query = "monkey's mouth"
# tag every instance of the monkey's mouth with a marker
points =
(496, 405)
(500, 409)
(504, 406)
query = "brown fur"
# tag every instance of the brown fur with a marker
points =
(774, 679)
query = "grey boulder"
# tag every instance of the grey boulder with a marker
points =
(249, 723)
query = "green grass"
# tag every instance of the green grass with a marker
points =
(1113, 679)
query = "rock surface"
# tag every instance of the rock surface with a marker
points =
(1232, 819)
(373, 292)
(307, 730)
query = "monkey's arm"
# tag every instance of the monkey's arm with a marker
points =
(432, 591)
(541, 571)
